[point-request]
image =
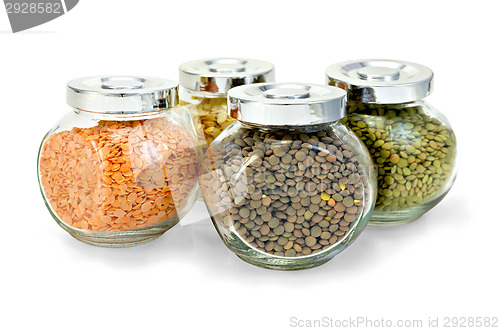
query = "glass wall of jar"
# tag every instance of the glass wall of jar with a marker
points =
(411, 143)
(287, 185)
(120, 169)
(204, 85)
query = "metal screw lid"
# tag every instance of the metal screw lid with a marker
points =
(218, 75)
(121, 94)
(287, 104)
(381, 81)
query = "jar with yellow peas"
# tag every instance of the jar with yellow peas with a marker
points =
(205, 83)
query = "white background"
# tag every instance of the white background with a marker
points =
(443, 265)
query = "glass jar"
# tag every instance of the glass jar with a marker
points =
(410, 142)
(120, 169)
(204, 85)
(287, 185)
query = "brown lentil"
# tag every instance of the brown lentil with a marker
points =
(294, 189)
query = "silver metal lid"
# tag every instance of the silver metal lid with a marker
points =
(218, 75)
(287, 104)
(381, 81)
(121, 94)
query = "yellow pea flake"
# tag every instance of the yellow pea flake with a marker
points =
(221, 117)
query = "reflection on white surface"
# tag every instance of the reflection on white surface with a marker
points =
(197, 214)
(197, 245)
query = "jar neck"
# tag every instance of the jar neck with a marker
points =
(122, 116)
(186, 94)
(397, 109)
(402, 105)
(287, 128)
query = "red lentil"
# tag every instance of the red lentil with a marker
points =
(119, 175)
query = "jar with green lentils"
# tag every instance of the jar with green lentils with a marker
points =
(288, 186)
(412, 144)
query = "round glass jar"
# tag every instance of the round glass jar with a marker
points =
(410, 142)
(204, 85)
(121, 168)
(288, 186)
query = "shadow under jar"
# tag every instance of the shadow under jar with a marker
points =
(121, 168)
(204, 84)
(288, 186)
(411, 143)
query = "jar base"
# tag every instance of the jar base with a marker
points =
(120, 239)
(404, 216)
(280, 263)
(267, 261)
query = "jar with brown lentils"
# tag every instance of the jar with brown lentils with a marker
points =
(121, 168)
(412, 144)
(288, 186)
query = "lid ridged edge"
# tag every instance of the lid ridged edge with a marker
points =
(121, 94)
(287, 104)
(381, 81)
(219, 75)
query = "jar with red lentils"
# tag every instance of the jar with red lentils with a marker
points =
(120, 169)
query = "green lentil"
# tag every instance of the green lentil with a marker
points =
(413, 151)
